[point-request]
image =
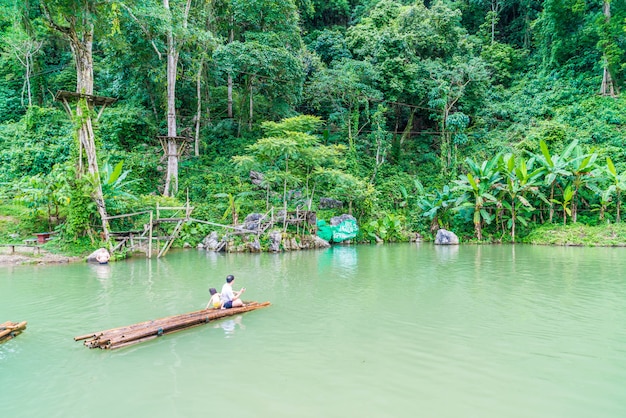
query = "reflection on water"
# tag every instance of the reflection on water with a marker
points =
(101, 271)
(229, 325)
(446, 253)
(450, 331)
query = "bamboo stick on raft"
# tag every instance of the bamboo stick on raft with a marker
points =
(140, 340)
(13, 325)
(160, 329)
(5, 333)
(126, 344)
(174, 323)
(123, 336)
(10, 329)
(150, 326)
(112, 346)
(141, 325)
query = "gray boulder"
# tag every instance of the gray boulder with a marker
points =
(336, 220)
(445, 237)
(254, 246)
(328, 203)
(211, 241)
(313, 241)
(275, 238)
(252, 221)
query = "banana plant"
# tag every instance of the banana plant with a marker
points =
(556, 167)
(114, 184)
(520, 180)
(233, 205)
(565, 204)
(618, 185)
(581, 166)
(435, 206)
(476, 188)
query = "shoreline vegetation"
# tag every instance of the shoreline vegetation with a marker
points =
(576, 235)
(407, 116)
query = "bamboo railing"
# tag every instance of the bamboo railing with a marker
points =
(144, 331)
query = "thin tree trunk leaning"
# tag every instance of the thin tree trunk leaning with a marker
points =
(124, 336)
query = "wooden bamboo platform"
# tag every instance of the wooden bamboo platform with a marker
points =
(10, 330)
(124, 336)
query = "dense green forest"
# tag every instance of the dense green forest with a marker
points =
(489, 118)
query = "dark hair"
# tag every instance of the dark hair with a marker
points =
(212, 291)
(230, 278)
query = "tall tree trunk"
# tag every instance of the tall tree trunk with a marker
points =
(231, 37)
(198, 108)
(251, 104)
(82, 50)
(608, 88)
(171, 177)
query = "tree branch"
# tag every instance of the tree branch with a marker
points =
(143, 28)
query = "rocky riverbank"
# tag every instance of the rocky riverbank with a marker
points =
(44, 258)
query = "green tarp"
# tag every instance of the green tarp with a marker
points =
(347, 229)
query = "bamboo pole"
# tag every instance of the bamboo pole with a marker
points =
(147, 330)
(139, 330)
(150, 240)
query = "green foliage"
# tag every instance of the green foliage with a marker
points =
(504, 61)
(387, 228)
(578, 235)
(126, 127)
(566, 202)
(46, 196)
(477, 188)
(81, 211)
(32, 146)
(436, 205)
(115, 187)
(385, 92)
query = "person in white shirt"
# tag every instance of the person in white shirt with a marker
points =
(229, 298)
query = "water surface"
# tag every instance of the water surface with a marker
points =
(376, 331)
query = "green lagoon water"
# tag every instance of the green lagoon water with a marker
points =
(371, 331)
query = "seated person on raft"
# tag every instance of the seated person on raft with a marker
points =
(216, 299)
(231, 299)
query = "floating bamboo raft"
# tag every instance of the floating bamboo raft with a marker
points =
(10, 330)
(124, 336)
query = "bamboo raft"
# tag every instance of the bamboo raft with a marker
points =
(144, 331)
(10, 330)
